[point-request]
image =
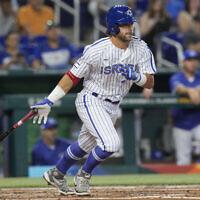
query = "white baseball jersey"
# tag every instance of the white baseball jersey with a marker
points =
(100, 66)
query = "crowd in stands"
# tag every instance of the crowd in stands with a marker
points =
(29, 37)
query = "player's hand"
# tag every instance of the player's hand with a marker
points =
(129, 73)
(43, 109)
(194, 96)
(147, 93)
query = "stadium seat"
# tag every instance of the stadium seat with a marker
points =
(170, 48)
(141, 6)
(2, 38)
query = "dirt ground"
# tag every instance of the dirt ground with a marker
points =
(188, 192)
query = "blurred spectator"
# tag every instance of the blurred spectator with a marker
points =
(55, 52)
(192, 37)
(13, 57)
(174, 7)
(186, 122)
(33, 17)
(185, 18)
(130, 3)
(7, 17)
(49, 149)
(154, 21)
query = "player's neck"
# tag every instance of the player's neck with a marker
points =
(48, 142)
(118, 43)
(12, 51)
(53, 43)
(189, 74)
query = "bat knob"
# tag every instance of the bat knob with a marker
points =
(35, 110)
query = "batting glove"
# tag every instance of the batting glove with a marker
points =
(129, 73)
(43, 109)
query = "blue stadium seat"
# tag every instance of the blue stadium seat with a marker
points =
(141, 6)
(2, 39)
(169, 52)
(174, 7)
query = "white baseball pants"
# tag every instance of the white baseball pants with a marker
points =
(183, 143)
(98, 117)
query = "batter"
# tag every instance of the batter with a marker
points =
(109, 66)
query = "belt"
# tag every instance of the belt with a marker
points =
(108, 100)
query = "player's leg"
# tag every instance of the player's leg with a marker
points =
(76, 151)
(97, 155)
(99, 123)
(72, 154)
(196, 137)
(182, 144)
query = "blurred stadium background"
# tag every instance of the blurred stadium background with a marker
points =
(144, 125)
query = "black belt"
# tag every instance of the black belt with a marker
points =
(108, 100)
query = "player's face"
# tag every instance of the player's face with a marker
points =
(157, 5)
(50, 134)
(6, 7)
(126, 32)
(53, 33)
(190, 65)
(37, 4)
(12, 41)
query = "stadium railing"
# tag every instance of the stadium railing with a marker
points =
(75, 11)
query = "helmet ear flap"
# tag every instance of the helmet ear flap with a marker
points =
(114, 29)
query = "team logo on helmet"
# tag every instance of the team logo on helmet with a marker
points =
(129, 12)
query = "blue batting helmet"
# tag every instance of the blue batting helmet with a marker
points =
(119, 14)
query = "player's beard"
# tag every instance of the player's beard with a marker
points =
(124, 38)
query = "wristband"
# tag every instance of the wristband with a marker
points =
(56, 94)
(73, 78)
(47, 101)
(142, 80)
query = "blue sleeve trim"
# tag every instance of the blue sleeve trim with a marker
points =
(99, 42)
(154, 70)
(139, 79)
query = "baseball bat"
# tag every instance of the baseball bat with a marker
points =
(19, 123)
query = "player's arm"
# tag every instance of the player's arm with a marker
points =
(70, 79)
(181, 89)
(141, 79)
(149, 81)
(192, 93)
(64, 85)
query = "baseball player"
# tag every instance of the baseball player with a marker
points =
(186, 121)
(109, 66)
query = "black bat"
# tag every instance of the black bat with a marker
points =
(19, 123)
